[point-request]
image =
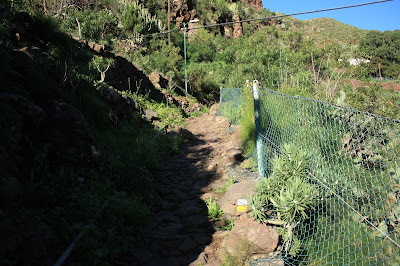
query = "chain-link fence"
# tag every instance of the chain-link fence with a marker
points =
(231, 104)
(351, 212)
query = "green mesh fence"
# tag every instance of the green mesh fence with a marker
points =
(339, 201)
(355, 214)
(231, 104)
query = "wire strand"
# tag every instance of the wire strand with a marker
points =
(265, 18)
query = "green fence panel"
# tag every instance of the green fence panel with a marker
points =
(355, 168)
(231, 104)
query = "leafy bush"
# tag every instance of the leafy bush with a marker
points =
(231, 113)
(250, 164)
(228, 225)
(164, 58)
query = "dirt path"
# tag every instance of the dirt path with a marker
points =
(182, 234)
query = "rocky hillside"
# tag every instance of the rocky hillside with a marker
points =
(77, 122)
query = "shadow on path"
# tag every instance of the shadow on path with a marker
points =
(180, 232)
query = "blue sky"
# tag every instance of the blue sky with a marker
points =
(381, 16)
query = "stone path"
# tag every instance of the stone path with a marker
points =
(182, 234)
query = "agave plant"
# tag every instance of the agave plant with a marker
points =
(294, 200)
(293, 162)
(257, 207)
(269, 186)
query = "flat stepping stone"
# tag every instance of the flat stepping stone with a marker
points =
(170, 227)
(189, 210)
(169, 205)
(196, 220)
(187, 183)
(169, 217)
(191, 203)
(179, 194)
(200, 231)
(202, 240)
(187, 245)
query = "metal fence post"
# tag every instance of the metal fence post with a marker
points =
(257, 120)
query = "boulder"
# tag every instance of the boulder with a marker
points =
(234, 192)
(22, 30)
(233, 156)
(254, 3)
(11, 238)
(32, 113)
(212, 167)
(124, 75)
(142, 255)
(201, 260)
(96, 47)
(25, 58)
(8, 167)
(258, 238)
(155, 77)
(150, 115)
(121, 105)
(67, 132)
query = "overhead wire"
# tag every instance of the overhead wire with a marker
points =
(265, 18)
(67, 252)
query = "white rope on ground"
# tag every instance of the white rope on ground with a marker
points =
(68, 251)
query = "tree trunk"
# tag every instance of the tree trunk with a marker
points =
(169, 22)
(79, 28)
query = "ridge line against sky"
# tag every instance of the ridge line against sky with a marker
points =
(381, 16)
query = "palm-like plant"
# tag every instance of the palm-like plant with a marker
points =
(293, 162)
(289, 192)
(257, 204)
(269, 186)
(294, 200)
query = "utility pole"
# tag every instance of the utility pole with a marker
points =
(169, 22)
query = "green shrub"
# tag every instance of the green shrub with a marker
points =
(248, 132)
(99, 26)
(214, 211)
(231, 112)
(250, 164)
